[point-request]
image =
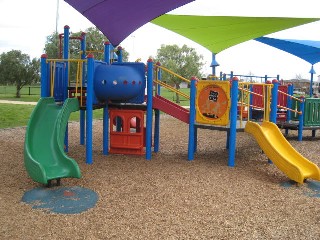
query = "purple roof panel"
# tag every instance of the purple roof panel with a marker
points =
(117, 19)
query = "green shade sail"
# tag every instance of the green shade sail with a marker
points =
(217, 33)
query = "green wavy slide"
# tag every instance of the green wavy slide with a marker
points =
(44, 155)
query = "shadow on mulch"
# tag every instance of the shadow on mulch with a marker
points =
(312, 188)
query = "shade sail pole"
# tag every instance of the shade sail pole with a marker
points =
(312, 71)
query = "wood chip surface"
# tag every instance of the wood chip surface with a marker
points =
(168, 197)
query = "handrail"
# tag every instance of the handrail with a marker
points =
(171, 88)
(173, 73)
(266, 95)
(242, 89)
(290, 109)
(157, 67)
(288, 95)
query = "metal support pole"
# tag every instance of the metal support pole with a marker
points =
(192, 117)
(89, 106)
(45, 92)
(233, 122)
(274, 101)
(149, 109)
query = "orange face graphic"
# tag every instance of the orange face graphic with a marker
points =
(212, 102)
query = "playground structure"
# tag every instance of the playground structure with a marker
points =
(290, 115)
(119, 89)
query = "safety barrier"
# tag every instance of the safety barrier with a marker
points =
(60, 79)
(312, 112)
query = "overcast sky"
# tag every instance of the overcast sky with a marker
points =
(24, 25)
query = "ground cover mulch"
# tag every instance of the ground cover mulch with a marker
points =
(167, 197)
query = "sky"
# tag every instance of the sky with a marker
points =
(25, 24)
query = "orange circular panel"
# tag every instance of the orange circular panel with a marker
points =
(213, 102)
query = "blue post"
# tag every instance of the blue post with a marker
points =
(149, 109)
(192, 117)
(214, 64)
(66, 56)
(89, 106)
(82, 112)
(66, 78)
(300, 128)
(105, 130)
(228, 132)
(157, 117)
(265, 78)
(45, 92)
(231, 75)
(224, 77)
(233, 122)
(274, 101)
(311, 81)
(120, 55)
(107, 48)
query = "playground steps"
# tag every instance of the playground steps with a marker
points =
(171, 108)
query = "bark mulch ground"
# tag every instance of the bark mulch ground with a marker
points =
(167, 197)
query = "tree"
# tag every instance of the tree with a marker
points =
(183, 61)
(17, 69)
(94, 43)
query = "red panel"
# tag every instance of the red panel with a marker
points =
(127, 141)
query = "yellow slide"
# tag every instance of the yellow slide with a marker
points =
(281, 153)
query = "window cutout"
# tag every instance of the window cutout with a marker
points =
(135, 125)
(117, 124)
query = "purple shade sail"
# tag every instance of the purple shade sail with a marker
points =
(117, 19)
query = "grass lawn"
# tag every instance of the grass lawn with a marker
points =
(28, 93)
(16, 115)
(12, 115)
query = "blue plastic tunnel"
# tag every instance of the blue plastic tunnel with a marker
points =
(120, 82)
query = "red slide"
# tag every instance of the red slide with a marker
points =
(171, 108)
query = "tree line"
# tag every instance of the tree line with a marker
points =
(19, 70)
